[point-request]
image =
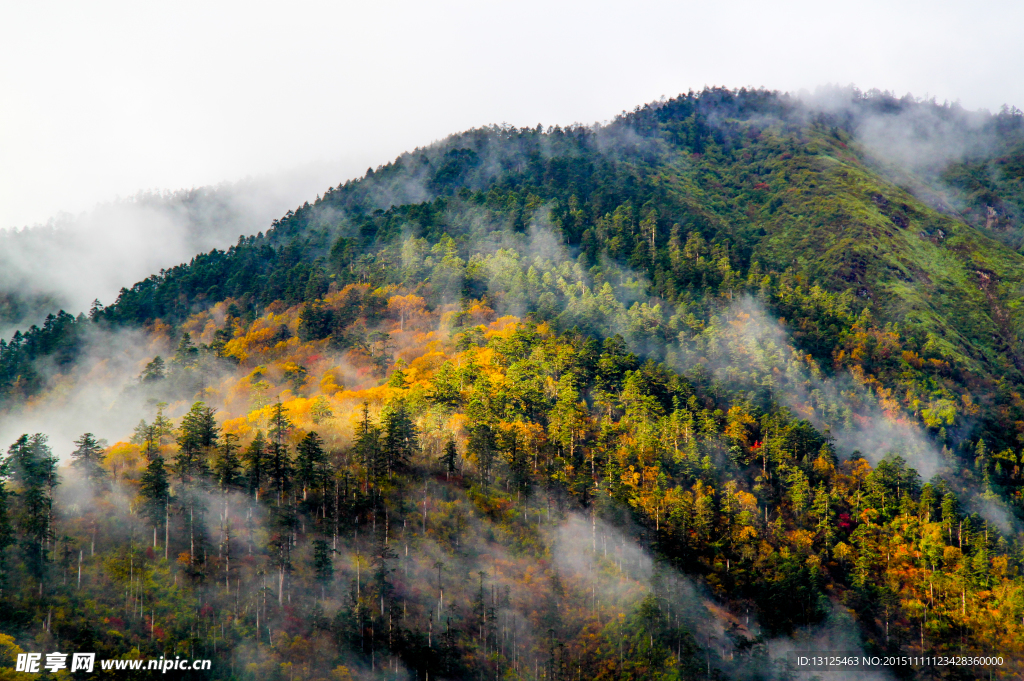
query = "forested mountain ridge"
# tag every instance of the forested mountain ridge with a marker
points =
(688, 319)
(754, 174)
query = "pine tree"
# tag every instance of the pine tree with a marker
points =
(280, 424)
(398, 378)
(155, 488)
(228, 468)
(256, 464)
(323, 566)
(6, 526)
(400, 435)
(321, 410)
(280, 469)
(368, 446)
(162, 423)
(34, 471)
(155, 371)
(481, 447)
(187, 354)
(88, 458)
(450, 458)
(311, 465)
(196, 437)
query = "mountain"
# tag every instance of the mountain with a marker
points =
(734, 372)
(73, 260)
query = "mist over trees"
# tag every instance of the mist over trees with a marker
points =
(635, 401)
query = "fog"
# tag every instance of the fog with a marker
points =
(108, 99)
(72, 260)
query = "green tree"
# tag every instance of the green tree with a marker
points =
(187, 354)
(155, 487)
(367, 445)
(279, 463)
(228, 467)
(256, 464)
(450, 458)
(7, 537)
(481, 447)
(400, 435)
(88, 458)
(312, 466)
(196, 437)
(321, 410)
(323, 566)
(155, 371)
(444, 387)
(34, 472)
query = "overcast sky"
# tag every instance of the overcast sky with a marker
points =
(103, 99)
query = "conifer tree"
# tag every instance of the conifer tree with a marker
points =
(280, 470)
(155, 371)
(256, 464)
(228, 468)
(481, 447)
(196, 437)
(323, 566)
(400, 435)
(187, 354)
(321, 410)
(6, 526)
(34, 471)
(311, 464)
(450, 458)
(88, 458)
(155, 488)
(368, 446)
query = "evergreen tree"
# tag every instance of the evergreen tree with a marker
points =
(279, 463)
(155, 487)
(312, 468)
(150, 442)
(7, 537)
(197, 435)
(155, 371)
(400, 435)
(280, 469)
(367, 445)
(280, 424)
(34, 471)
(187, 354)
(162, 423)
(450, 458)
(321, 410)
(88, 458)
(398, 378)
(256, 464)
(228, 468)
(481, 447)
(323, 566)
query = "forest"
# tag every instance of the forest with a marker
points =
(663, 398)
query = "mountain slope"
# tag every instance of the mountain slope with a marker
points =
(722, 318)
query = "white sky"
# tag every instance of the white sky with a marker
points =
(103, 99)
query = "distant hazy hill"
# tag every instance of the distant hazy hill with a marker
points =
(74, 259)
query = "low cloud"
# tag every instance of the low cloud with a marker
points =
(74, 259)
